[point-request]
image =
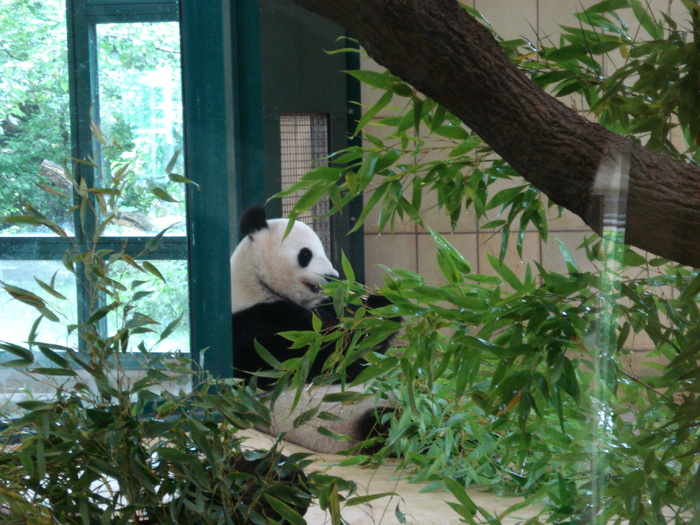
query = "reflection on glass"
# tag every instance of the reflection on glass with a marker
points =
(141, 114)
(610, 188)
(16, 318)
(34, 115)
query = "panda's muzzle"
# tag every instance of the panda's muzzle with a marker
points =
(314, 287)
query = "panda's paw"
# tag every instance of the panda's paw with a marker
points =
(373, 428)
(376, 301)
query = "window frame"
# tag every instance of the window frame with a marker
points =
(210, 319)
(226, 135)
(207, 101)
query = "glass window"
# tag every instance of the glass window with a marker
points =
(136, 100)
(17, 318)
(140, 116)
(165, 301)
(34, 115)
(141, 113)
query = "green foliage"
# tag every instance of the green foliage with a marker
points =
(498, 378)
(33, 100)
(112, 445)
(517, 381)
(652, 95)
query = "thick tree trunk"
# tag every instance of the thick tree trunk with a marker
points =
(442, 51)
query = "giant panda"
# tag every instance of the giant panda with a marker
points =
(276, 286)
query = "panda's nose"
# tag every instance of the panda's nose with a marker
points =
(331, 276)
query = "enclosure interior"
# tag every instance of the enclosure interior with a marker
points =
(194, 121)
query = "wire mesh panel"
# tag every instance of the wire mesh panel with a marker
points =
(304, 145)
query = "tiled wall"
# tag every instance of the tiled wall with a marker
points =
(412, 248)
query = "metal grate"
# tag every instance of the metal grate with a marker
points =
(304, 145)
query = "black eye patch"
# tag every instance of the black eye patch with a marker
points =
(304, 257)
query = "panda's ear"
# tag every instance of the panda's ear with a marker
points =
(252, 220)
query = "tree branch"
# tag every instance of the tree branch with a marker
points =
(444, 52)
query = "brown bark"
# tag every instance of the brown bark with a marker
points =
(55, 174)
(445, 53)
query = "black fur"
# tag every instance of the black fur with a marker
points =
(252, 220)
(304, 257)
(264, 321)
(371, 425)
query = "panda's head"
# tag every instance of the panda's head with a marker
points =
(267, 266)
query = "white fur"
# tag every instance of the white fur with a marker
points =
(306, 434)
(265, 268)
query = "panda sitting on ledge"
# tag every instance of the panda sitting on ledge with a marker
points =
(276, 287)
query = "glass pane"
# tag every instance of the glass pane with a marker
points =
(16, 318)
(164, 301)
(141, 116)
(34, 115)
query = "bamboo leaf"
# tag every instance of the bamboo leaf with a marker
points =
(97, 133)
(153, 270)
(105, 191)
(50, 289)
(452, 264)
(174, 177)
(505, 272)
(53, 356)
(65, 372)
(371, 112)
(53, 191)
(334, 504)
(452, 131)
(24, 296)
(100, 313)
(171, 163)
(22, 219)
(566, 254)
(458, 492)
(373, 78)
(284, 510)
(306, 202)
(361, 500)
(41, 220)
(646, 19)
(153, 243)
(374, 198)
(688, 294)
(163, 195)
(23, 353)
(172, 326)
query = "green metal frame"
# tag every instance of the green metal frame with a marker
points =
(208, 135)
(208, 94)
(83, 16)
(208, 97)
